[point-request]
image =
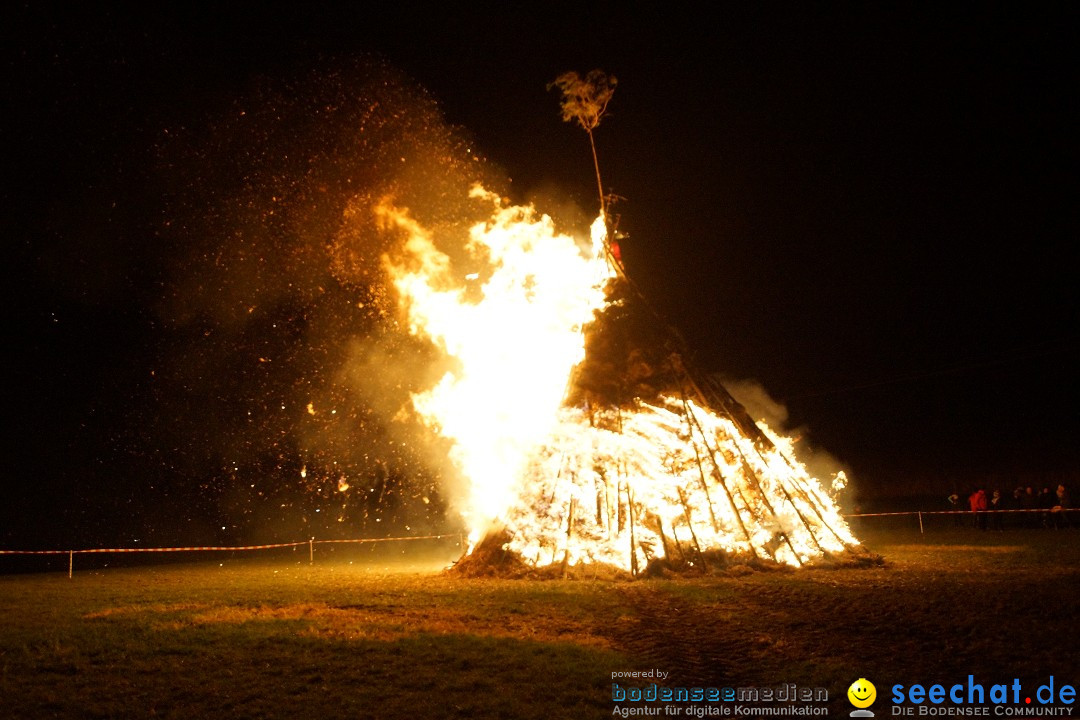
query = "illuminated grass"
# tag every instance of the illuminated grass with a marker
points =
(282, 639)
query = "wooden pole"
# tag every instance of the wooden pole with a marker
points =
(630, 518)
(791, 500)
(599, 184)
(720, 475)
(749, 472)
(569, 536)
(701, 470)
(805, 522)
(609, 514)
(558, 476)
(663, 539)
(690, 524)
(311, 551)
(727, 405)
(806, 496)
(814, 507)
(752, 434)
(71, 563)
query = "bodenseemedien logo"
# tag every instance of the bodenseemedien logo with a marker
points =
(862, 694)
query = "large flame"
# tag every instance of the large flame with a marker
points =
(515, 346)
(623, 485)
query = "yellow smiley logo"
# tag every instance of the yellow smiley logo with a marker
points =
(862, 693)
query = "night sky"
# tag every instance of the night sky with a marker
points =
(866, 211)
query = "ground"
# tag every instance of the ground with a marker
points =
(363, 634)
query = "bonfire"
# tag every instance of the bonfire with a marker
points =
(586, 437)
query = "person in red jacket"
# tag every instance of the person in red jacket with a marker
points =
(978, 504)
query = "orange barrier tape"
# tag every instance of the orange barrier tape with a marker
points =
(143, 550)
(958, 512)
(220, 548)
(409, 537)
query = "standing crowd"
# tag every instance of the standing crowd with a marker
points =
(1047, 508)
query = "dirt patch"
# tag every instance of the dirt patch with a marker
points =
(156, 608)
(379, 622)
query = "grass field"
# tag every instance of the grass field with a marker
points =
(358, 635)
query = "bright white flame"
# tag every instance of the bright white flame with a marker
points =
(515, 346)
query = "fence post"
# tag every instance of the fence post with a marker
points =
(71, 562)
(311, 551)
(921, 531)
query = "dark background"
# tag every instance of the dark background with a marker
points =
(867, 210)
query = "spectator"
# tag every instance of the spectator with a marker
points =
(1045, 502)
(1017, 504)
(997, 504)
(977, 501)
(954, 506)
(1029, 502)
(1060, 516)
